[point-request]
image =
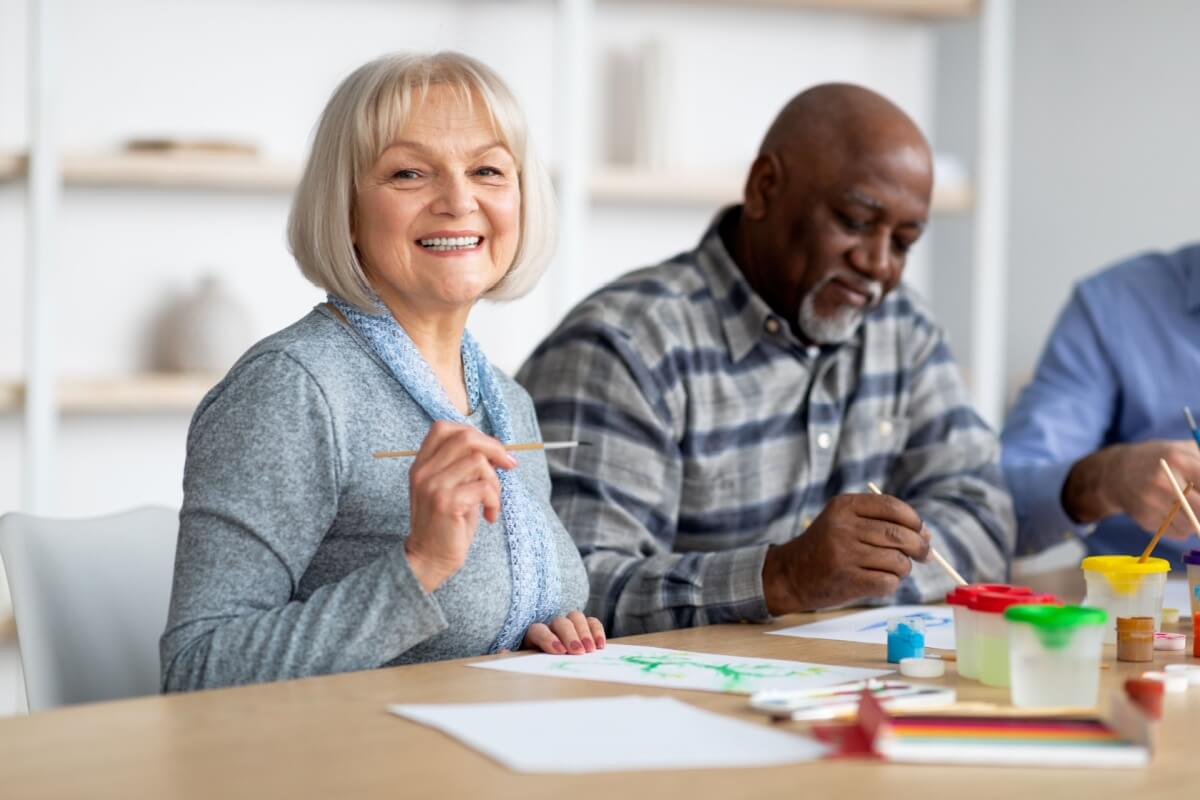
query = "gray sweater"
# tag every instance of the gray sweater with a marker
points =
(290, 559)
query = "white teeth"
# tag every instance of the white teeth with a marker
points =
(449, 242)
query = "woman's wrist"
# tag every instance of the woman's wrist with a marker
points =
(428, 575)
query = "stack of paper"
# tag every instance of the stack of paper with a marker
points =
(603, 734)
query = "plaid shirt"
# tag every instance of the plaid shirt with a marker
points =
(716, 433)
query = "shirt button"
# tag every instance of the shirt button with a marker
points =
(885, 428)
(806, 521)
(772, 325)
(824, 440)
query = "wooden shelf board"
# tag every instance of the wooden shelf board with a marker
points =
(148, 392)
(923, 9)
(620, 185)
(165, 171)
(608, 184)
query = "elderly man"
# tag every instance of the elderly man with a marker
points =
(741, 396)
(1082, 444)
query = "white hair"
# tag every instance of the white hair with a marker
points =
(359, 122)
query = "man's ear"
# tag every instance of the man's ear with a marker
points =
(766, 176)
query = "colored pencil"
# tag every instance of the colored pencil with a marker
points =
(509, 447)
(933, 551)
(1166, 524)
(1187, 507)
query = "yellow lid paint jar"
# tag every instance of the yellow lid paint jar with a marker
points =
(1125, 587)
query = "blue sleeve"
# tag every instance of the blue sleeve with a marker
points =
(1063, 415)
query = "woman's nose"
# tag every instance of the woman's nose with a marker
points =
(456, 197)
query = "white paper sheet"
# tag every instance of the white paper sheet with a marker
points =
(681, 669)
(603, 734)
(870, 626)
(1176, 595)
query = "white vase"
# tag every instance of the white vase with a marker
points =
(206, 330)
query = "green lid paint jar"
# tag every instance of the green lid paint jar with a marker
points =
(1054, 654)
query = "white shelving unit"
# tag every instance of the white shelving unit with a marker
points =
(43, 394)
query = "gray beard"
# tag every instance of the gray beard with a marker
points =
(842, 325)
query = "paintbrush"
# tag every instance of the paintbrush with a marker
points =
(1187, 414)
(1166, 524)
(943, 563)
(1187, 507)
(509, 447)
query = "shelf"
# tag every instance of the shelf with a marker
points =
(617, 185)
(166, 171)
(147, 392)
(924, 9)
(242, 173)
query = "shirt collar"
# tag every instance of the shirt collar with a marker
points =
(746, 319)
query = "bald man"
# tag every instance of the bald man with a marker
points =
(741, 397)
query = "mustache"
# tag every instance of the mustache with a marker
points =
(873, 289)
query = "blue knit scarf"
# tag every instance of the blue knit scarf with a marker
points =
(535, 579)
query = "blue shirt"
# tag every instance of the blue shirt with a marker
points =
(1122, 362)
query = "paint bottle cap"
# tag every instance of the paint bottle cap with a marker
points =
(961, 595)
(1125, 565)
(997, 603)
(1147, 694)
(1173, 682)
(1049, 617)
(1170, 641)
(1192, 671)
(923, 667)
(1192, 557)
(1135, 624)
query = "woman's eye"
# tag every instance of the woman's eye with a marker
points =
(489, 172)
(406, 174)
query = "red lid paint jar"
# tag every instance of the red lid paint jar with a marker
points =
(991, 631)
(964, 621)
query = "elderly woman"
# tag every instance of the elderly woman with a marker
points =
(301, 554)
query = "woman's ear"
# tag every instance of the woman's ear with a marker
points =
(762, 184)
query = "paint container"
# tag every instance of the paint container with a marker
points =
(1054, 654)
(991, 632)
(905, 638)
(1125, 587)
(1135, 638)
(1170, 641)
(1170, 617)
(964, 621)
(1196, 635)
(1192, 671)
(1192, 560)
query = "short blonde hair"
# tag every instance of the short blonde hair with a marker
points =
(361, 119)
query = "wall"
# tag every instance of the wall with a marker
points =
(262, 70)
(1105, 160)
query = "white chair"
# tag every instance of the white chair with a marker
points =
(90, 598)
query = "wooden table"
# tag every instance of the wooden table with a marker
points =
(331, 738)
